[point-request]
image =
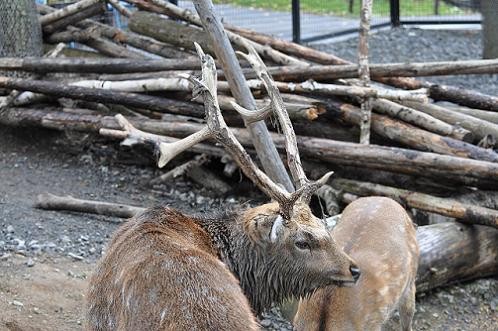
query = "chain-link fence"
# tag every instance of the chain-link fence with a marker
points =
(20, 32)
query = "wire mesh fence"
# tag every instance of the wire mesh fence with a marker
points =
(313, 20)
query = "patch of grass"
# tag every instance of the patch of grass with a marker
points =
(341, 7)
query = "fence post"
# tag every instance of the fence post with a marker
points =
(296, 22)
(394, 7)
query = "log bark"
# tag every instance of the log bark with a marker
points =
(52, 202)
(423, 120)
(364, 70)
(340, 153)
(378, 70)
(88, 12)
(66, 11)
(465, 213)
(167, 8)
(92, 65)
(313, 88)
(485, 115)
(296, 50)
(267, 153)
(101, 95)
(480, 128)
(414, 137)
(464, 97)
(91, 38)
(138, 41)
(120, 8)
(168, 31)
(451, 252)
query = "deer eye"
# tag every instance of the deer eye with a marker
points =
(302, 245)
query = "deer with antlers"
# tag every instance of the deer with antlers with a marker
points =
(164, 270)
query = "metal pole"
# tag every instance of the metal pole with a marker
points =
(296, 22)
(394, 6)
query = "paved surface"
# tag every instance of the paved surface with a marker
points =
(280, 23)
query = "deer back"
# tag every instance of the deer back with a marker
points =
(380, 236)
(161, 272)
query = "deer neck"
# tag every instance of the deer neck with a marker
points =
(265, 276)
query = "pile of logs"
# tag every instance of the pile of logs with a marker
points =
(422, 144)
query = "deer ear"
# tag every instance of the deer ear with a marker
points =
(276, 229)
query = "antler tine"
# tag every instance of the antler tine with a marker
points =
(251, 116)
(167, 150)
(305, 187)
(293, 159)
(220, 131)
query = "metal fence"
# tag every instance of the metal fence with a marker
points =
(313, 20)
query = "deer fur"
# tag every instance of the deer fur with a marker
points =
(380, 236)
(164, 270)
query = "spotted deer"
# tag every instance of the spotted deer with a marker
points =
(380, 236)
(164, 270)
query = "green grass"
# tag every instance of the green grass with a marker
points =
(340, 7)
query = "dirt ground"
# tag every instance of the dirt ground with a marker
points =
(47, 256)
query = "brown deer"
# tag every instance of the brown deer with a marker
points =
(380, 236)
(164, 270)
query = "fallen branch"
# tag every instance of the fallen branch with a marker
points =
(464, 213)
(53, 202)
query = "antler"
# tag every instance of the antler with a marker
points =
(305, 187)
(218, 129)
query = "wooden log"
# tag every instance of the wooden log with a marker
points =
(464, 97)
(379, 70)
(91, 38)
(66, 11)
(120, 8)
(168, 31)
(296, 50)
(101, 95)
(91, 11)
(263, 144)
(53, 202)
(489, 116)
(414, 137)
(451, 252)
(364, 70)
(422, 119)
(167, 8)
(465, 213)
(91, 65)
(136, 40)
(313, 88)
(341, 153)
(480, 128)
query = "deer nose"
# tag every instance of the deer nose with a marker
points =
(355, 272)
